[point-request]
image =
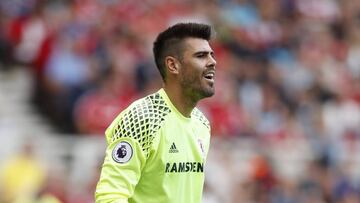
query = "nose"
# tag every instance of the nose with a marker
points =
(212, 61)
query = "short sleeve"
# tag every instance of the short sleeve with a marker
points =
(121, 171)
(130, 138)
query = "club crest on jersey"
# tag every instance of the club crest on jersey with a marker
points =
(122, 153)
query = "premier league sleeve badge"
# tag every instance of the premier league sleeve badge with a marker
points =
(122, 152)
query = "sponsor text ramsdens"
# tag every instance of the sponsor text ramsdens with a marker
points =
(184, 167)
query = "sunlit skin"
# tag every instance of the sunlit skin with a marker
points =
(191, 77)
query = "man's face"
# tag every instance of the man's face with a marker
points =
(197, 72)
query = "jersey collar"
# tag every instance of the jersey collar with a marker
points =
(171, 105)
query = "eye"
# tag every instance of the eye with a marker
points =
(200, 55)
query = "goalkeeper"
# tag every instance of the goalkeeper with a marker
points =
(157, 147)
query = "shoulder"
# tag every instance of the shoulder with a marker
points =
(151, 109)
(200, 117)
(140, 121)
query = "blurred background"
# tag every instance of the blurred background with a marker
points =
(285, 117)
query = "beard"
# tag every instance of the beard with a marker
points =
(195, 87)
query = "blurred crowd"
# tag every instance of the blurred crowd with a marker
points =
(288, 81)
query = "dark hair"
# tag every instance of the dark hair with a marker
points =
(169, 42)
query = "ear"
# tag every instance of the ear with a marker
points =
(172, 64)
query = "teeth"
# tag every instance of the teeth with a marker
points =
(210, 75)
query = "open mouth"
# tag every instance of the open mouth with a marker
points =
(210, 75)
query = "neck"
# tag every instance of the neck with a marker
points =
(182, 102)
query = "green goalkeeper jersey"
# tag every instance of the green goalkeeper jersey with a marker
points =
(154, 154)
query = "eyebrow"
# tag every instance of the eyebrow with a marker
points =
(203, 52)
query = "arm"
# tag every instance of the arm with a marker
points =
(122, 165)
